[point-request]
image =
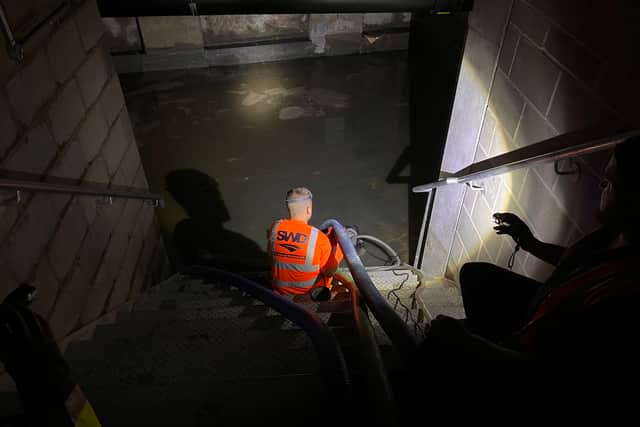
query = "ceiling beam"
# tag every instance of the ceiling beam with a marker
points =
(120, 8)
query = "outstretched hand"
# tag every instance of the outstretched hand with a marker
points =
(511, 225)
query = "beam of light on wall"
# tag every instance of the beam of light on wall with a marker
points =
(495, 195)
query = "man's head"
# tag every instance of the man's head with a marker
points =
(619, 202)
(300, 204)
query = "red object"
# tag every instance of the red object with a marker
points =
(574, 299)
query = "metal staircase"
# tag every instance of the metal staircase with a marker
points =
(195, 353)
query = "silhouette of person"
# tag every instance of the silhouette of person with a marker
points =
(201, 239)
(48, 393)
(562, 352)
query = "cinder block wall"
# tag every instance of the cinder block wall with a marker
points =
(560, 67)
(62, 114)
(484, 38)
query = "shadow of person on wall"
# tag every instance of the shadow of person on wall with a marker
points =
(201, 239)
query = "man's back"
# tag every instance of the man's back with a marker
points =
(299, 253)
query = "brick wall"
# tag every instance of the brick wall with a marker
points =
(561, 67)
(62, 114)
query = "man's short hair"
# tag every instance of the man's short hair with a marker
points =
(298, 194)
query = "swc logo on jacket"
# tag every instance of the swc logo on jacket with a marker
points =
(290, 236)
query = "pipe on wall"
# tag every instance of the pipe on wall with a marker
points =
(122, 8)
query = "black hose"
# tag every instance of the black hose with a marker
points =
(391, 322)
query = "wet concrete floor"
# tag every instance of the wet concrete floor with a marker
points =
(335, 125)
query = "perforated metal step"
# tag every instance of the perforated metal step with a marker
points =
(202, 350)
(241, 402)
(193, 357)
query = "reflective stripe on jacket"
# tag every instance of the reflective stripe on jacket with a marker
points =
(298, 251)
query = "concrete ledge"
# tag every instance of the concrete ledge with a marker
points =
(261, 53)
(129, 63)
(440, 296)
(256, 52)
(173, 59)
(258, 41)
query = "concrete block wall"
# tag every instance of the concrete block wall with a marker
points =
(484, 40)
(62, 115)
(179, 42)
(559, 68)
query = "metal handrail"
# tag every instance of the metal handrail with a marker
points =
(376, 379)
(330, 354)
(560, 147)
(397, 330)
(16, 44)
(46, 187)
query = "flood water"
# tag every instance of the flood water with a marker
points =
(240, 137)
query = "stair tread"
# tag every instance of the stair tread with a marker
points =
(207, 402)
(204, 291)
(192, 357)
(200, 313)
(210, 369)
(172, 304)
(164, 329)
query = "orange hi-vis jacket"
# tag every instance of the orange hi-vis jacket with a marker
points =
(300, 254)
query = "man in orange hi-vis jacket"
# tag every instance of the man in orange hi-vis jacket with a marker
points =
(303, 257)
